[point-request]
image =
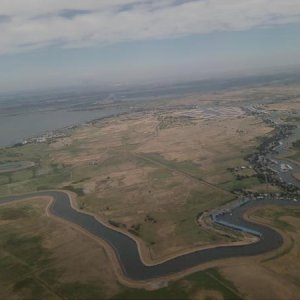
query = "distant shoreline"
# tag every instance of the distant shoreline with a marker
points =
(16, 129)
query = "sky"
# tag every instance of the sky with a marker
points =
(56, 43)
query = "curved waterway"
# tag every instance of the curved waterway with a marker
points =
(126, 248)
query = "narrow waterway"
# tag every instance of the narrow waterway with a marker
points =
(126, 249)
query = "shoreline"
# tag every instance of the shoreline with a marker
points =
(63, 129)
(149, 283)
(142, 249)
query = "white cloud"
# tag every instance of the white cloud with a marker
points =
(29, 24)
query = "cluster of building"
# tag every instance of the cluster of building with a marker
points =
(219, 213)
(44, 138)
(263, 164)
(268, 169)
(258, 110)
(285, 167)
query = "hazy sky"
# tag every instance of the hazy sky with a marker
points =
(46, 43)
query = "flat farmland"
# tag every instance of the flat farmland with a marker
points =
(150, 173)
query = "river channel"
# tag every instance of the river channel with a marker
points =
(126, 250)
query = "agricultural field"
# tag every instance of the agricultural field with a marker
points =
(295, 151)
(37, 261)
(150, 174)
(38, 253)
(276, 275)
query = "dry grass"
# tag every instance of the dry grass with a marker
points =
(256, 282)
(288, 106)
(275, 278)
(207, 294)
(71, 256)
(129, 168)
(149, 171)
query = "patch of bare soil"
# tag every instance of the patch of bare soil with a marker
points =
(297, 175)
(207, 295)
(77, 257)
(256, 282)
(288, 265)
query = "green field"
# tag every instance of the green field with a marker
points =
(29, 270)
(296, 151)
(186, 289)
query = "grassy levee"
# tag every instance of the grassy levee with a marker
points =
(116, 178)
(21, 255)
(186, 168)
(30, 267)
(32, 252)
(296, 149)
(246, 183)
(192, 287)
(274, 275)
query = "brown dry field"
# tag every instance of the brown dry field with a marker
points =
(146, 163)
(158, 164)
(207, 294)
(289, 106)
(276, 94)
(277, 277)
(72, 255)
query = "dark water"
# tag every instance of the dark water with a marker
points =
(127, 252)
(126, 249)
(14, 129)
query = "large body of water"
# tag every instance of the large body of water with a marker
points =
(15, 128)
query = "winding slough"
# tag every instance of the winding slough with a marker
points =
(126, 248)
